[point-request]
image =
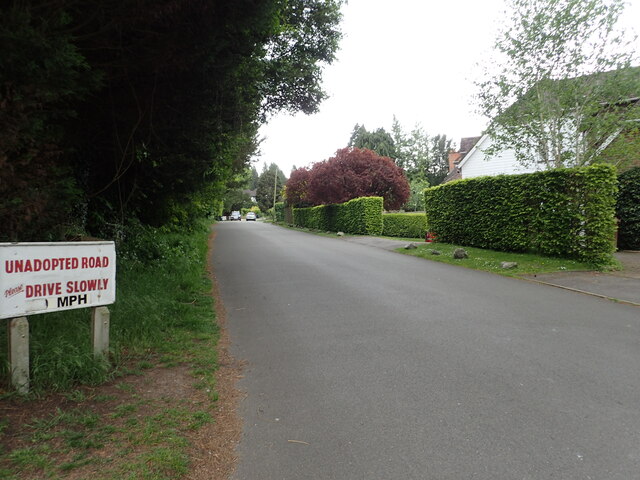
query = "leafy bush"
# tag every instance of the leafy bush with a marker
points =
(255, 209)
(361, 216)
(628, 209)
(567, 212)
(407, 225)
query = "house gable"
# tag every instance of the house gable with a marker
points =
(455, 158)
(477, 163)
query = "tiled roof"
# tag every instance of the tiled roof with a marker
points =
(467, 143)
(455, 174)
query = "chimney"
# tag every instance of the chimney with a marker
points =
(454, 157)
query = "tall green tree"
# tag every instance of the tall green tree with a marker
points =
(305, 38)
(236, 199)
(379, 141)
(113, 111)
(43, 76)
(401, 143)
(424, 158)
(438, 166)
(271, 180)
(559, 86)
(253, 182)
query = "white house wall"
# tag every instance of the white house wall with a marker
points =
(477, 164)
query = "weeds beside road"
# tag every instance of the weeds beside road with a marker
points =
(143, 416)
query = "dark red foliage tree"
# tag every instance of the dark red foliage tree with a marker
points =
(354, 173)
(296, 189)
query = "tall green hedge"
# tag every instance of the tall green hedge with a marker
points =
(628, 209)
(407, 225)
(567, 212)
(279, 211)
(362, 216)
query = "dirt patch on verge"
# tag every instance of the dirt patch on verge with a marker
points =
(214, 454)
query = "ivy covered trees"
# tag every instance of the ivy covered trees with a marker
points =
(113, 111)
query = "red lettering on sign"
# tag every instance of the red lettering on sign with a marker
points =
(47, 264)
(78, 286)
(95, 262)
(10, 292)
(43, 290)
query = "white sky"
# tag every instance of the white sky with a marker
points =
(415, 59)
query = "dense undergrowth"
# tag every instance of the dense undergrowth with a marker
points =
(111, 420)
(162, 302)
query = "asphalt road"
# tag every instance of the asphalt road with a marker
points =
(367, 364)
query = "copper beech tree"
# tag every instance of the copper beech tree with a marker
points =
(296, 189)
(352, 173)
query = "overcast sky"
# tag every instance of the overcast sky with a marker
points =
(414, 59)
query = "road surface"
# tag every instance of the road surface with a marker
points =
(367, 364)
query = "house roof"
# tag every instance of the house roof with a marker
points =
(454, 174)
(626, 79)
(467, 143)
(476, 146)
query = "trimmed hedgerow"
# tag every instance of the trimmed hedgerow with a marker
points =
(566, 213)
(628, 209)
(312, 217)
(407, 225)
(279, 211)
(361, 216)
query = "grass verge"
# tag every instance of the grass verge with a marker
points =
(491, 260)
(484, 259)
(131, 418)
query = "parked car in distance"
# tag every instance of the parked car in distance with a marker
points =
(235, 215)
(250, 217)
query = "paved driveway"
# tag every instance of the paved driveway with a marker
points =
(366, 364)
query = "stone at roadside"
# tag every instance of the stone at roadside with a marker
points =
(340, 234)
(436, 252)
(410, 246)
(459, 253)
(508, 265)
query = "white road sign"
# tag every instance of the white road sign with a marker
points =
(47, 277)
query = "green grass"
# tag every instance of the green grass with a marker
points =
(161, 303)
(484, 259)
(163, 316)
(68, 440)
(403, 239)
(490, 260)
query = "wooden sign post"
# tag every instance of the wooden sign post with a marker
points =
(48, 277)
(18, 336)
(100, 331)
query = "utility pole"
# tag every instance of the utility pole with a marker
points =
(275, 186)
